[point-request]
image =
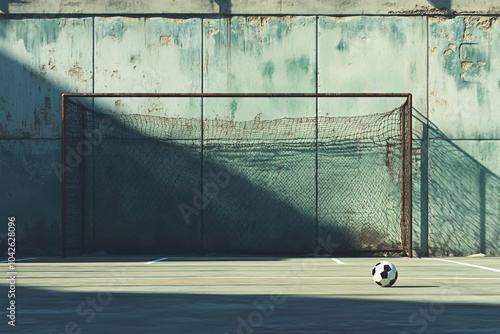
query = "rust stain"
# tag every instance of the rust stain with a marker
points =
(133, 59)
(213, 31)
(118, 103)
(66, 20)
(423, 10)
(52, 64)
(447, 52)
(452, 46)
(165, 40)
(258, 20)
(342, 18)
(114, 73)
(482, 23)
(433, 50)
(467, 64)
(441, 103)
(76, 71)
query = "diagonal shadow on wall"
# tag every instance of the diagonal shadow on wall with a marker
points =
(30, 144)
(224, 6)
(4, 6)
(463, 197)
(151, 191)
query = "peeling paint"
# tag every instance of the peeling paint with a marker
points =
(422, 10)
(165, 40)
(214, 31)
(257, 20)
(76, 72)
(467, 64)
(482, 23)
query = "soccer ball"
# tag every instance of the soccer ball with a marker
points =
(384, 273)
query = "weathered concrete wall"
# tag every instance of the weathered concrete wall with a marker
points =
(109, 7)
(279, 54)
(464, 101)
(39, 59)
(252, 7)
(450, 65)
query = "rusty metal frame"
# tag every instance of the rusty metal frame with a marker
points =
(407, 199)
(226, 95)
(406, 169)
(406, 137)
(63, 180)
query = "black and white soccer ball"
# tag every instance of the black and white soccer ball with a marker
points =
(384, 273)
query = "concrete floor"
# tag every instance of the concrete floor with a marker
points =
(252, 295)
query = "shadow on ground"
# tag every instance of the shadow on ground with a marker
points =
(46, 311)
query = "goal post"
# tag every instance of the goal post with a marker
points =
(165, 172)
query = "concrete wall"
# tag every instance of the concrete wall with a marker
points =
(447, 58)
(251, 7)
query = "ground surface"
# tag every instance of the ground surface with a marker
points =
(251, 295)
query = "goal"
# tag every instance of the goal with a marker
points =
(282, 173)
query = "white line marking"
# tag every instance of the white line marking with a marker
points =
(274, 278)
(17, 260)
(468, 264)
(337, 261)
(157, 260)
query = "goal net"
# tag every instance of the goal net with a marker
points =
(146, 182)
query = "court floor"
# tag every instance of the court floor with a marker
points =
(250, 295)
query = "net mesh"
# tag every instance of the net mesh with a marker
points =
(169, 184)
